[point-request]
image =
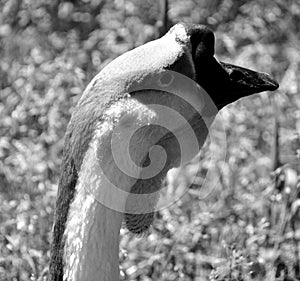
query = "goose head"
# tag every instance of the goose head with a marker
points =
(224, 82)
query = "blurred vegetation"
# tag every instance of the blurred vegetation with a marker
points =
(248, 226)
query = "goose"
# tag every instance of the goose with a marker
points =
(105, 180)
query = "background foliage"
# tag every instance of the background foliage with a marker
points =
(246, 229)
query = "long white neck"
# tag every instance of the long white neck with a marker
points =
(91, 248)
(92, 230)
(92, 241)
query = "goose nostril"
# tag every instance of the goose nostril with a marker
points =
(236, 75)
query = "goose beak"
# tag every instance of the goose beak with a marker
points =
(224, 82)
(232, 82)
(246, 81)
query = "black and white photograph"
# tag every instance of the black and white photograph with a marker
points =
(149, 140)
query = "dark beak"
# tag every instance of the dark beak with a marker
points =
(244, 82)
(224, 82)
